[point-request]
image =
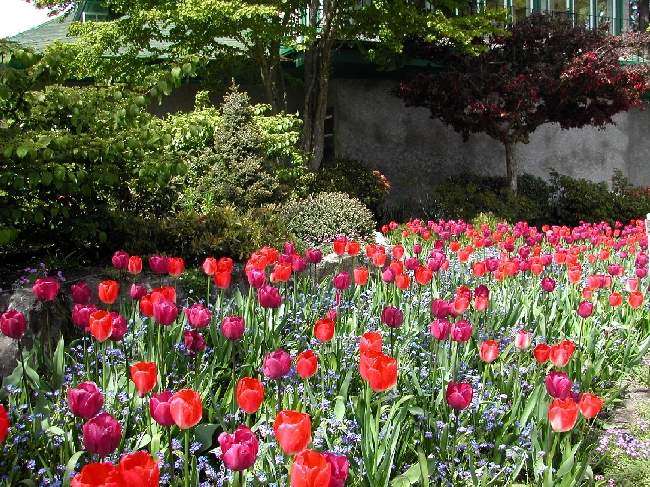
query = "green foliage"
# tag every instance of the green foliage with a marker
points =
(319, 218)
(221, 231)
(562, 200)
(252, 160)
(355, 179)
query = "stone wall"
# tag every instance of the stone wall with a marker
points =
(414, 151)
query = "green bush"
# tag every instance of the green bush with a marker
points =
(562, 200)
(252, 160)
(319, 218)
(222, 231)
(352, 177)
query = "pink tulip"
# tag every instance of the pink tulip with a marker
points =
(585, 309)
(256, 278)
(81, 314)
(339, 468)
(159, 408)
(119, 327)
(277, 364)
(558, 384)
(232, 327)
(158, 264)
(269, 297)
(120, 260)
(440, 308)
(13, 324)
(46, 288)
(459, 395)
(194, 341)
(548, 284)
(313, 256)
(101, 435)
(461, 331)
(198, 315)
(239, 449)
(440, 329)
(137, 291)
(81, 293)
(165, 312)
(85, 400)
(523, 339)
(341, 281)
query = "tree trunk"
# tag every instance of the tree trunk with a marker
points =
(511, 167)
(644, 14)
(317, 72)
(272, 77)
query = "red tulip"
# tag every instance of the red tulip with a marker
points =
(292, 431)
(159, 408)
(423, 275)
(4, 424)
(361, 275)
(541, 352)
(379, 370)
(165, 312)
(561, 353)
(461, 331)
(489, 351)
(324, 329)
(85, 400)
(165, 293)
(233, 327)
(558, 384)
(100, 325)
(139, 469)
(563, 414)
(310, 469)
(615, 299)
(193, 341)
(144, 375)
(249, 394)
(339, 245)
(306, 364)
(590, 405)
(13, 324)
(186, 408)
(146, 306)
(353, 248)
(209, 266)
(101, 435)
(370, 342)
(635, 299)
(281, 272)
(239, 450)
(81, 293)
(222, 279)
(459, 395)
(108, 291)
(340, 466)
(175, 266)
(135, 265)
(97, 475)
(392, 317)
(46, 288)
(276, 364)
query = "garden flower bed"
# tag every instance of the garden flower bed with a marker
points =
(457, 355)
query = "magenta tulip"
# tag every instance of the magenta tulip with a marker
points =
(194, 341)
(339, 468)
(137, 291)
(46, 288)
(269, 296)
(548, 284)
(277, 364)
(256, 278)
(120, 260)
(459, 395)
(85, 400)
(101, 435)
(461, 331)
(119, 327)
(392, 317)
(558, 384)
(239, 449)
(81, 314)
(81, 293)
(159, 408)
(165, 312)
(585, 309)
(341, 281)
(158, 264)
(313, 256)
(440, 329)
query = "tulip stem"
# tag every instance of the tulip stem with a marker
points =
(170, 452)
(186, 476)
(24, 375)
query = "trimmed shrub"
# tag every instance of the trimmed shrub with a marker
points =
(352, 177)
(319, 218)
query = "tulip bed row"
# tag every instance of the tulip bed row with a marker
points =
(458, 355)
